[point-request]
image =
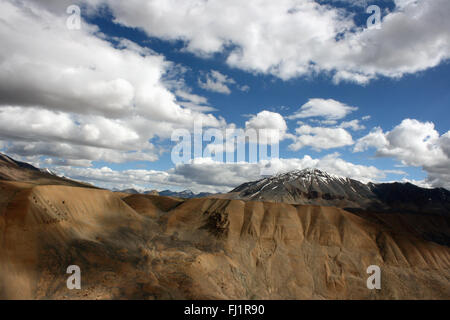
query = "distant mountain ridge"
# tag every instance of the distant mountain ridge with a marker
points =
(185, 194)
(156, 247)
(13, 170)
(316, 187)
(304, 187)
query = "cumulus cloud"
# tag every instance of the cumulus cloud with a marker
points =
(244, 88)
(67, 163)
(80, 96)
(320, 138)
(187, 96)
(355, 125)
(329, 109)
(193, 101)
(66, 151)
(404, 3)
(414, 143)
(29, 123)
(267, 123)
(216, 82)
(264, 128)
(268, 127)
(444, 143)
(291, 38)
(80, 92)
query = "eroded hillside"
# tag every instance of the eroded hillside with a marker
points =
(151, 247)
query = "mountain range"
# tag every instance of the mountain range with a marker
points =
(316, 187)
(185, 194)
(262, 244)
(14, 170)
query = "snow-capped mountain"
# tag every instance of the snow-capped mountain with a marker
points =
(309, 186)
(313, 186)
(48, 171)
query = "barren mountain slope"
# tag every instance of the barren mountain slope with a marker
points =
(151, 247)
(12, 170)
(309, 186)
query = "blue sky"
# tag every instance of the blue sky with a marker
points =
(396, 79)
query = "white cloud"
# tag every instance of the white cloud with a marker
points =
(444, 143)
(244, 88)
(216, 82)
(193, 101)
(327, 108)
(67, 162)
(60, 151)
(375, 138)
(291, 38)
(79, 94)
(355, 125)
(321, 122)
(187, 96)
(414, 143)
(320, 138)
(404, 3)
(351, 76)
(267, 120)
(264, 128)
(60, 100)
(95, 131)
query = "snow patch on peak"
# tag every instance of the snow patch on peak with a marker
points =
(47, 170)
(309, 173)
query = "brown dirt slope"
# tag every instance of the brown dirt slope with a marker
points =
(12, 170)
(150, 247)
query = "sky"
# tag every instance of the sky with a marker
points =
(95, 90)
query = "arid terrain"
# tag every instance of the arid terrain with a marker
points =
(136, 246)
